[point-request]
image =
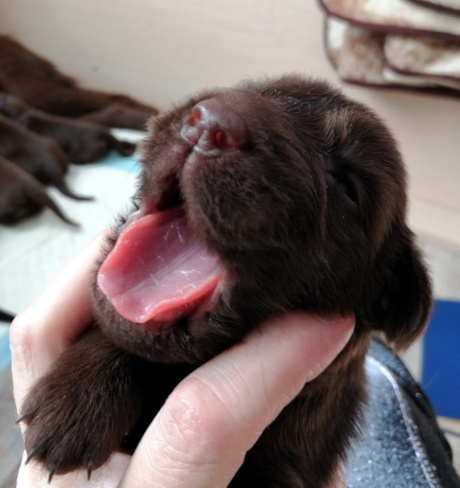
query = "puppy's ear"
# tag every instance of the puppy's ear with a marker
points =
(403, 305)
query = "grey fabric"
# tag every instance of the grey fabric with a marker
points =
(400, 445)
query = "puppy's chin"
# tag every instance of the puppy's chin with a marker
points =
(192, 339)
(163, 342)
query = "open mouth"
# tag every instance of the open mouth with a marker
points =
(157, 271)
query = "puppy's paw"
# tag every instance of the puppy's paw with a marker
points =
(65, 432)
(79, 413)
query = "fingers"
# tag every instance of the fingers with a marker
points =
(210, 421)
(201, 435)
(41, 332)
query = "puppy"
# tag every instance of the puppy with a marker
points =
(82, 141)
(21, 195)
(37, 82)
(39, 156)
(273, 196)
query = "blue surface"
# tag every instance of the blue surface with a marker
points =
(114, 160)
(441, 359)
(5, 355)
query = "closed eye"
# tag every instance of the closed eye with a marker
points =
(346, 187)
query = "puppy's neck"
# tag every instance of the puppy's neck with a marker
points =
(338, 480)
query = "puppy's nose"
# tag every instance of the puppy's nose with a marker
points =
(213, 127)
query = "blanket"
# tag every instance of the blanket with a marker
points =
(396, 43)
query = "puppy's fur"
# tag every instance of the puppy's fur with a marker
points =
(21, 195)
(38, 82)
(305, 208)
(39, 156)
(81, 140)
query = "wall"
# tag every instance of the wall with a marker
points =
(160, 50)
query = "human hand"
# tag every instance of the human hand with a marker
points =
(201, 435)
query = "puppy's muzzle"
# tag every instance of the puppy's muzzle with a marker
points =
(213, 126)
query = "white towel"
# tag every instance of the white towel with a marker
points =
(394, 43)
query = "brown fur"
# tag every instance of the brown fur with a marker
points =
(308, 213)
(21, 195)
(39, 156)
(37, 82)
(82, 141)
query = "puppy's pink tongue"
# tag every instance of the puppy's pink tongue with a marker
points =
(157, 270)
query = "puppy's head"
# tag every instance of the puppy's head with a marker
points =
(264, 198)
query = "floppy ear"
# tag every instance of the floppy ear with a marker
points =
(403, 305)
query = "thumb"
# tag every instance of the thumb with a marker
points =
(201, 435)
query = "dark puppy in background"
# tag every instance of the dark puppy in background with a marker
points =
(21, 195)
(81, 140)
(39, 83)
(273, 196)
(38, 156)
(73, 122)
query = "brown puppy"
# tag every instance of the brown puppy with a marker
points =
(253, 201)
(39, 156)
(37, 82)
(81, 140)
(21, 195)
